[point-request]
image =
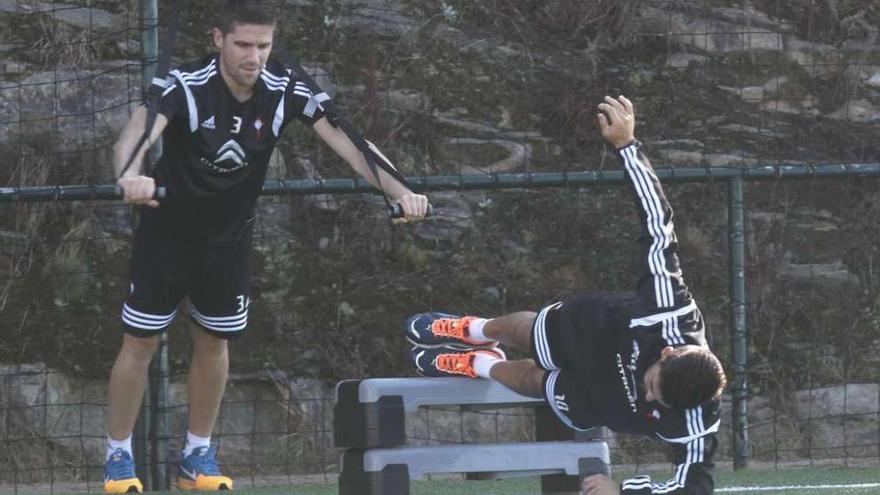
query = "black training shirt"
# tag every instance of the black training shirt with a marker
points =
(217, 149)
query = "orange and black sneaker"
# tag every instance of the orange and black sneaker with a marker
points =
(444, 361)
(432, 330)
(199, 471)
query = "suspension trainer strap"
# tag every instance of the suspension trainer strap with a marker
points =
(374, 158)
(153, 94)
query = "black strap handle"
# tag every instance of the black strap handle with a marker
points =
(159, 193)
(395, 211)
(338, 119)
(153, 94)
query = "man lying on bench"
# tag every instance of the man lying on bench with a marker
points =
(636, 362)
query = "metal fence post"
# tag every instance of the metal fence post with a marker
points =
(150, 47)
(158, 384)
(159, 415)
(738, 332)
(140, 440)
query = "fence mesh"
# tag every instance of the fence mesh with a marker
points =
(455, 88)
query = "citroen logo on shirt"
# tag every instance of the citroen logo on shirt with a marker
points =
(230, 157)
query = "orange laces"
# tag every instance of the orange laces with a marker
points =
(459, 364)
(451, 327)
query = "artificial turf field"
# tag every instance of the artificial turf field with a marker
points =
(827, 481)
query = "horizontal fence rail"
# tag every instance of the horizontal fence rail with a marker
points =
(281, 187)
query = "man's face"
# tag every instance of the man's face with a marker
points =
(652, 383)
(244, 51)
(652, 378)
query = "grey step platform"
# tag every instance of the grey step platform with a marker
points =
(387, 471)
(528, 458)
(419, 392)
(370, 413)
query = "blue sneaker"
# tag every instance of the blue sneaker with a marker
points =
(433, 330)
(199, 471)
(119, 476)
(444, 361)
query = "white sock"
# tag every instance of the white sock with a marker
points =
(193, 442)
(483, 363)
(112, 445)
(475, 330)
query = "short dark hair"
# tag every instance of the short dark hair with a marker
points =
(690, 376)
(261, 12)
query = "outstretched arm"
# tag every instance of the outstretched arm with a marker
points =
(660, 280)
(693, 474)
(693, 471)
(414, 205)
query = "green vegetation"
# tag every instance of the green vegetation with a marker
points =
(528, 486)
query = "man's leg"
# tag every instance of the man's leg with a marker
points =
(156, 286)
(219, 297)
(207, 380)
(198, 469)
(514, 330)
(523, 377)
(126, 391)
(127, 383)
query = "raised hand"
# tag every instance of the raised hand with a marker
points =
(617, 121)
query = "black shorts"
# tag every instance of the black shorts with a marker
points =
(563, 390)
(215, 276)
(573, 339)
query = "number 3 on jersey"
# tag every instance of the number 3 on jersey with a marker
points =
(236, 124)
(242, 303)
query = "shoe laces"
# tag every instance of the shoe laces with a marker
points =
(457, 363)
(451, 327)
(120, 466)
(204, 461)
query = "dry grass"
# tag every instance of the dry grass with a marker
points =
(27, 220)
(62, 45)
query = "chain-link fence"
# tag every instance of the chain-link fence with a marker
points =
(467, 95)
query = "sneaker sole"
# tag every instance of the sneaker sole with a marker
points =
(129, 489)
(186, 485)
(454, 345)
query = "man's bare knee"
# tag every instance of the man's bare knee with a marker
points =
(139, 348)
(207, 344)
(535, 376)
(514, 329)
(524, 326)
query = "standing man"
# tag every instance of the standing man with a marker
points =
(221, 117)
(636, 362)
